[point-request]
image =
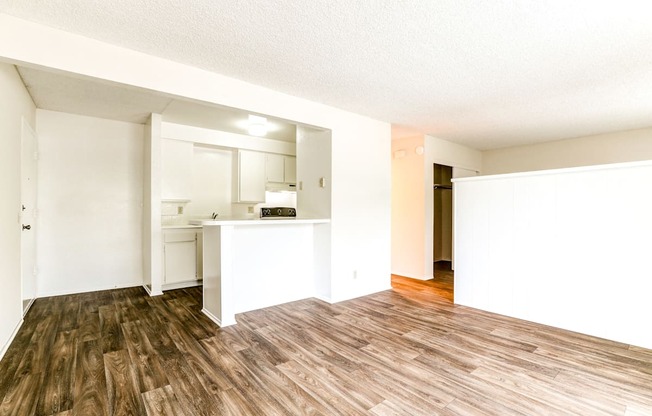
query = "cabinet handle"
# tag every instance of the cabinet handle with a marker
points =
(27, 227)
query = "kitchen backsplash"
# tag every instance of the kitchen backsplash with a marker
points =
(173, 213)
(180, 212)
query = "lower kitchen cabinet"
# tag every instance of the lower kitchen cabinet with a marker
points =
(181, 257)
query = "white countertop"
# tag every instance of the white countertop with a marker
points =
(260, 221)
(172, 227)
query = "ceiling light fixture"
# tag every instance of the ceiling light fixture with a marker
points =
(257, 125)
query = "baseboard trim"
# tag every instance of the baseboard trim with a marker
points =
(326, 299)
(182, 285)
(216, 319)
(31, 302)
(88, 289)
(426, 277)
(150, 293)
(11, 339)
(361, 295)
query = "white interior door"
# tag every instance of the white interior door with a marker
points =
(28, 171)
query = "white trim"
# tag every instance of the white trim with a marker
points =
(25, 310)
(361, 295)
(324, 299)
(11, 339)
(217, 320)
(90, 289)
(182, 285)
(26, 127)
(150, 293)
(543, 172)
(422, 278)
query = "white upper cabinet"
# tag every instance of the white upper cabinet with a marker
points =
(275, 167)
(176, 169)
(290, 169)
(250, 176)
(281, 168)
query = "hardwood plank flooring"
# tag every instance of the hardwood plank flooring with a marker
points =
(407, 351)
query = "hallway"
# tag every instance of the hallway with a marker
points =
(441, 286)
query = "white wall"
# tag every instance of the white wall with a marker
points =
(361, 207)
(152, 189)
(624, 146)
(568, 248)
(412, 199)
(314, 149)
(147, 205)
(360, 217)
(15, 104)
(258, 286)
(408, 205)
(90, 203)
(447, 153)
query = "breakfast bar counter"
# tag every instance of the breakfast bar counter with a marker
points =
(254, 263)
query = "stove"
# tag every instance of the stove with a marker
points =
(277, 212)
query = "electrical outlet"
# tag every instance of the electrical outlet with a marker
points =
(250, 210)
(355, 274)
(180, 210)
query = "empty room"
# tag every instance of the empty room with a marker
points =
(327, 207)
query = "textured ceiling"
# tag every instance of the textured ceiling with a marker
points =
(485, 74)
(72, 94)
(59, 92)
(225, 119)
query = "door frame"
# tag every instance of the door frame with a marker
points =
(26, 129)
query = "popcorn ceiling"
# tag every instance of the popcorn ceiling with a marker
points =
(482, 74)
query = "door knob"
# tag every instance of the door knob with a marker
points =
(27, 227)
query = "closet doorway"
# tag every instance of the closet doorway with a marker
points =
(442, 222)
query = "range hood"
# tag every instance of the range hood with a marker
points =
(280, 187)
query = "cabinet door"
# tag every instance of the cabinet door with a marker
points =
(251, 176)
(290, 169)
(176, 169)
(274, 167)
(180, 261)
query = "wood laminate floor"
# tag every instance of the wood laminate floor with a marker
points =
(441, 285)
(408, 351)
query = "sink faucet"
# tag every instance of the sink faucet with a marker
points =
(214, 216)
